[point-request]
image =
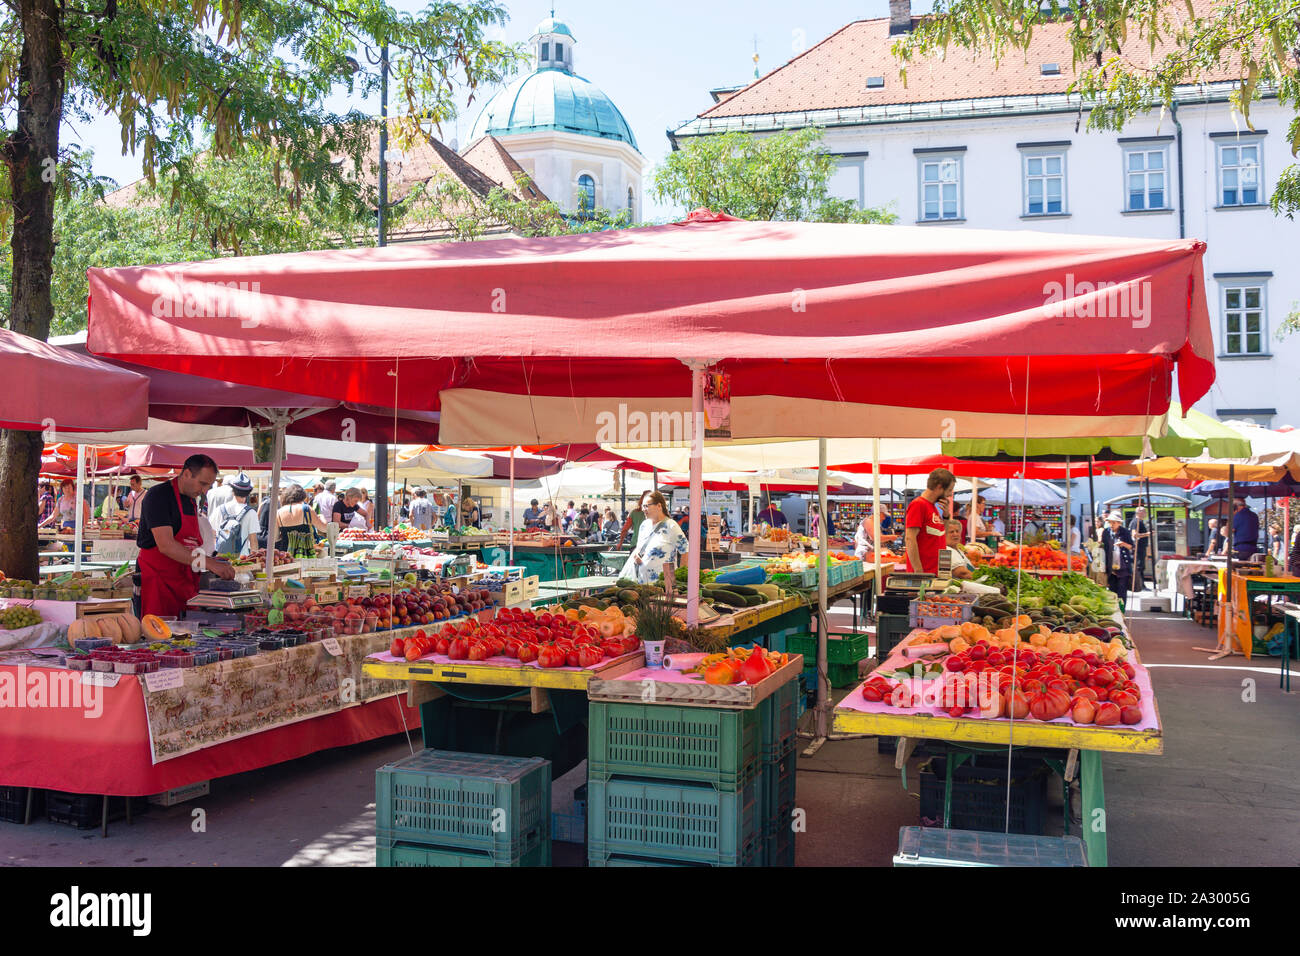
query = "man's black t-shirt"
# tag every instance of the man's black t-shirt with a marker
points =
(159, 508)
(342, 513)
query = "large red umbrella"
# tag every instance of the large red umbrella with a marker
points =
(822, 327)
(978, 469)
(228, 458)
(181, 399)
(47, 388)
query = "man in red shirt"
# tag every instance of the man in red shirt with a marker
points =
(925, 525)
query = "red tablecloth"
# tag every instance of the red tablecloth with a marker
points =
(60, 748)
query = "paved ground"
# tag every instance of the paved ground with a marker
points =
(1225, 792)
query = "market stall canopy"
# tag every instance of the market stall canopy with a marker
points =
(60, 460)
(1286, 487)
(1029, 491)
(778, 481)
(48, 388)
(579, 482)
(227, 457)
(827, 330)
(1186, 436)
(186, 409)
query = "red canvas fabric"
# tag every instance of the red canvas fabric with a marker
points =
(45, 384)
(997, 321)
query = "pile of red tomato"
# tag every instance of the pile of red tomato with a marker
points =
(1029, 684)
(552, 640)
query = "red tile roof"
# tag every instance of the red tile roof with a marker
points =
(490, 157)
(833, 74)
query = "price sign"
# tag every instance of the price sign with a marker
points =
(166, 679)
(331, 644)
(101, 679)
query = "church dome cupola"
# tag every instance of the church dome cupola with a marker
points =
(553, 42)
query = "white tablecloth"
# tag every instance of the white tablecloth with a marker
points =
(1178, 574)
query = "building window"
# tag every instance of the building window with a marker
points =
(631, 204)
(1044, 183)
(1244, 305)
(586, 194)
(940, 186)
(1145, 178)
(1240, 173)
(559, 53)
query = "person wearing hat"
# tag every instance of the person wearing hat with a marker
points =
(237, 531)
(1117, 555)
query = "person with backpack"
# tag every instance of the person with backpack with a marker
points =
(239, 531)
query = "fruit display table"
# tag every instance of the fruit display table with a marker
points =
(105, 744)
(856, 715)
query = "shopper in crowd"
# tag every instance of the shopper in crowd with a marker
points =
(633, 523)
(1075, 539)
(169, 536)
(1141, 534)
(771, 515)
(959, 565)
(238, 530)
(365, 508)
(551, 520)
(323, 502)
(814, 520)
(469, 513)
(46, 503)
(297, 514)
(219, 495)
(134, 498)
(1293, 556)
(658, 539)
(65, 508)
(925, 531)
(999, 529)
(532, 516)
(1117, 556)
(582, 523)
(347, 511)
(422, 510)
(1212, 537)
(1245, 531)
(609, 529)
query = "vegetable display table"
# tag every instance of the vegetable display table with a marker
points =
(854, 715)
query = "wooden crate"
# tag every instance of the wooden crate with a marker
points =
(634, 687)
(517, 592)
(90, 609)
(762, 546)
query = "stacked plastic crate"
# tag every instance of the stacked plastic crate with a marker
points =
(780, 719)
(438, 808)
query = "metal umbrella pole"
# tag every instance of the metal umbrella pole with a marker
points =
(1155, 544)
(79, 527)
(1065, 526)
(1092, 500)
(511, 561)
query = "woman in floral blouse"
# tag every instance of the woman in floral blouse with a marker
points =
(657, 539)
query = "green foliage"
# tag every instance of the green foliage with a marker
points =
(1130, 55)
(783, 176)
(448, 206)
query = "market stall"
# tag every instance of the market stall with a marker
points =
(650, 309)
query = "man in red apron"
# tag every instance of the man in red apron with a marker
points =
(170, 542)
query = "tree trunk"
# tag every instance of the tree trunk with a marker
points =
(31, 154)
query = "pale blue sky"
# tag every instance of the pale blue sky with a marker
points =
(657, 61)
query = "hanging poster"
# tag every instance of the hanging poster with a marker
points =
(717, 405)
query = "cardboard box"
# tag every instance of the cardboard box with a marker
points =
(177, 795)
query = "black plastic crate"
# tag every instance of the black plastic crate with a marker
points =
(894, 602)
(890, 630)
(979, 794)
(13, 804)
(85, 811)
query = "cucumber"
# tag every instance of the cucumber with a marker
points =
(726, 597)
(742, 589)
(754, 600)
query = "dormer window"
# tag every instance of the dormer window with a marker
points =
(559, 53)
(546, 52)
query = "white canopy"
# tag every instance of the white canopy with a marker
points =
(1024, 491)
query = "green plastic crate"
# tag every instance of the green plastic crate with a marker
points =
(665, 820)
(846, 648)
(778, 784)
(840, 675)
(466, 801)
(890, 630)
(662, 741)
(620, 859)
(414, 854)
(780, 716)
(778, 840)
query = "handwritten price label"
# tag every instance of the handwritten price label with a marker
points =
(101, 679)
(166, 679)
(331, 644)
